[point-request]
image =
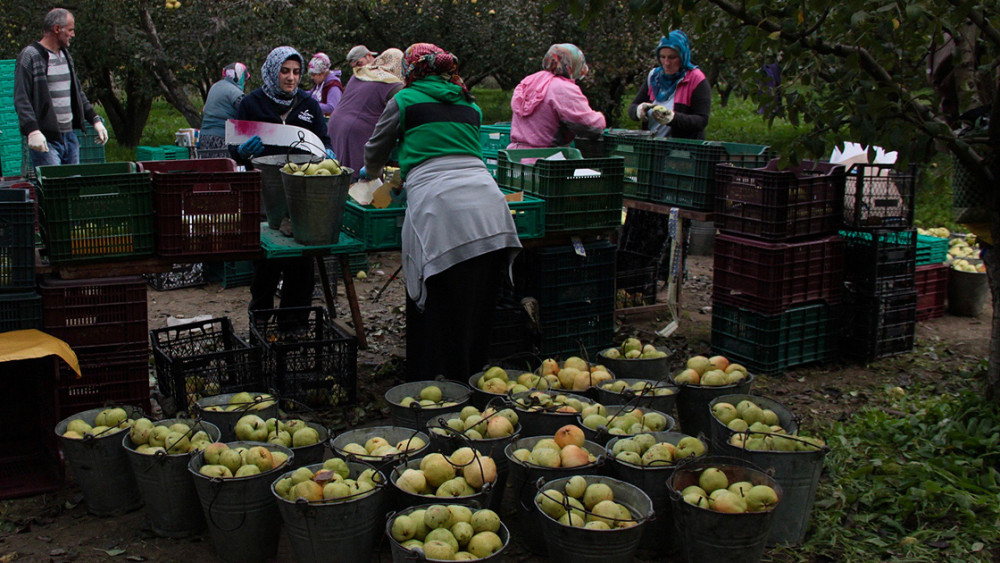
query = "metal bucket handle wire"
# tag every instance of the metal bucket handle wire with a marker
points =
(299, 144)
(216, 483)
(795, 437)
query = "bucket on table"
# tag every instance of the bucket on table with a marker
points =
(454, 396)
(656, 369)
(241, 512)
(272, 190)
(167, 490)
(345, 530)
(100, 466)
(538, 418)
(967, 292)
(394, 435)
(692, 404)
(403, 499)
(402, 554)
(571, 544)
(602, 433)
(316, 206)
(707, 535)
(720, 433)
(265, 407)
(522, 479)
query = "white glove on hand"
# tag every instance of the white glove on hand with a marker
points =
(641, 112)
(36, 141)
(664, 116)
(102, 132)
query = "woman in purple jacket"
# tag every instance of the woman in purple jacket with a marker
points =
(679, 88)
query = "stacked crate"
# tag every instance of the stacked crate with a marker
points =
(931, 279)
(493, 138)
(10, 134)
(20, 305)
(778, 272)
(880, 296)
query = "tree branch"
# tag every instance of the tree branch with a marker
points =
(172, 88)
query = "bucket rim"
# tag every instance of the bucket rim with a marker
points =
(542, 486)
(663, 436)
(90, 415)
(744, 382)
(702, 463)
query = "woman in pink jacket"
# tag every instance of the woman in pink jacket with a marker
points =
(549, 108)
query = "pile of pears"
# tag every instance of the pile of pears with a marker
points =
(326, 167)
(330, 483)
(715, 492)
(150, 438)
(449, 532)
(107, 422)
(633, 349)
(430, 396)
(244, 401)
(585, 505)
(476, 425)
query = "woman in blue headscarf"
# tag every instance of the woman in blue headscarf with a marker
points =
(675, 99)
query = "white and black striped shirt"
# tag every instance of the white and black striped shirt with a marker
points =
(59, 89)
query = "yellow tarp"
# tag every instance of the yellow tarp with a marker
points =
(30, 344)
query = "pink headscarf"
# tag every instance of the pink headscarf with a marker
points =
(425, 59)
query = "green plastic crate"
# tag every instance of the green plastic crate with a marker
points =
(162, 152)
(683, 170)
(92, 212)
(580, 194)
(91, 151)
(931, 250)
(769, 344)
(494, 137)
(230, 274)
(636, 147)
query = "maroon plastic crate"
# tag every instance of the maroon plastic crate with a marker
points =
(29, 451)
(106, 378)
(95, 312)
(932, 291)
(773, 204)
(769, 277)
(204, 207)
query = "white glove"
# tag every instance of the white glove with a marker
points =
(643, 108)
(664, 116)
(36, 141)
(102, 132)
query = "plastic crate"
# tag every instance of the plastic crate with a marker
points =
(93, 212)
(162, 152)
(494, 137)
(770, 344)
(564, 281)
(768, 278)
(30, 463)
(179, 277)
(636, 147)
(212, 153)
(106, 377)
(91, 151)
(97, 311)
(17, 240)
(20, 183)
(880, 260)
(580, 194)
(876, 195)
(20, 311)
(932, 291)
(683, 170)
(931, 250)
(773, 204)
(582, 333)
(12, 154)
(878, 325)
(205, 207)
(490, 159)
(230, 274)
(203, 359)
(635, 279)
(314, 363)
(509, 334)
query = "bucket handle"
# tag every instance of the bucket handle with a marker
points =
(746, 434)
(217, 488)
(301, 143)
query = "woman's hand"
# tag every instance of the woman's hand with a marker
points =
(251, 148)
(641, 112)
(663, 115)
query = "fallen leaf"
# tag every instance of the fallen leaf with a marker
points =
(111, 552)
(57, 552)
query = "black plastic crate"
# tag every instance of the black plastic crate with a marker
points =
(179, 277)
(878, 196)
(563, 280)
(202, 359)
(581, 333)
(635, 279)
(684, 173)
(772, 204)
(311, 362)
(877, 325)
(509, 332)
(880, 260)
(230, 274)
(20, 311)
(17, 240)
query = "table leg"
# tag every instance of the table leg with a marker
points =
(328, 295)
(352, 300)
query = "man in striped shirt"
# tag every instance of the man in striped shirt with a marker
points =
(48, 98)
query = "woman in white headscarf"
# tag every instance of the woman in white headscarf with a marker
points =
(220, 105)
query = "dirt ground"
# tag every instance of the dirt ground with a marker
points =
(56, 527)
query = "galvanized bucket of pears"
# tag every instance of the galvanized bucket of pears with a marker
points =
(226, 410)
(415, 403)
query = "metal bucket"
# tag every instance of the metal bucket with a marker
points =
(226, 420)
(798, 474)
(720, 433)
(570, 544)
(692, 405)
(272, 190)
(479, 398)
(100, 466)
(416, 416)
(706, 535)
(546, 421)
(601, 435)
(659, 533)
(403, 499)
(241, 512)
(643, 397)
(167, 490)
(523, 477)
(326, 531)
(967, 293)
(656, 369)
(316, 206)
(402, 555)
(392, 434)
(308, 455)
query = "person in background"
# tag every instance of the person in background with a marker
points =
(459, 239)
(549, 107)
(353, 121)
(359, 56)
(220, 105)
(279, 100)
(679, 87)
(327, 88)
(48, 98)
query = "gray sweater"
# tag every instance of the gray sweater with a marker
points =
(223, 98)
(32, 100)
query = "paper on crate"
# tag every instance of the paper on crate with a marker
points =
(239, 131)
(855, 153)
(363, 192)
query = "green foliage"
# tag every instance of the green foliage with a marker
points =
(495, 104)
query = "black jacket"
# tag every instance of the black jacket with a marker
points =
(32, 100)
(305, 112)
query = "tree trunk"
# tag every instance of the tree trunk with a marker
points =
(173, 90)
(128, 119)
(724, 94)
(991, 258)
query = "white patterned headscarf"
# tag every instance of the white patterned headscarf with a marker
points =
(271, 70)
